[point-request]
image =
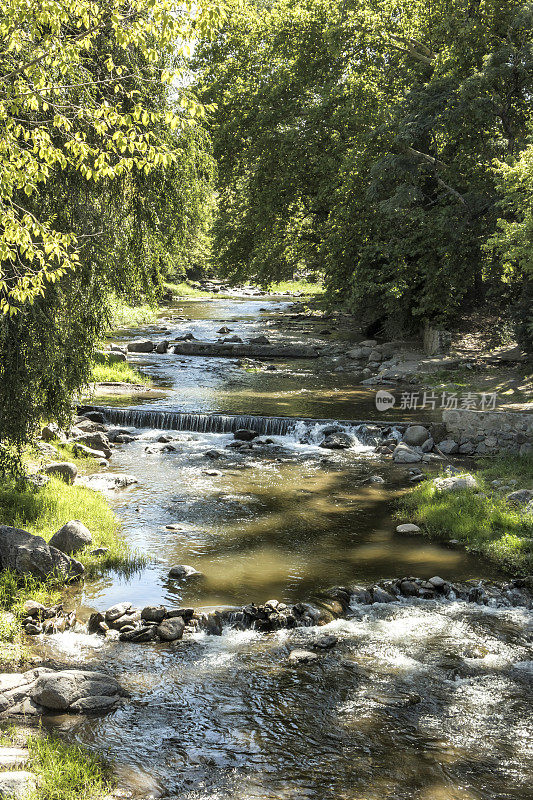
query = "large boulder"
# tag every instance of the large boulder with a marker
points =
(64, 470)
(416, 435)
(77, 690)
(455, 483)
(31, 555)
(71, 537)
(96, 441)
(171, 629)
(403, 454)
(143, 346)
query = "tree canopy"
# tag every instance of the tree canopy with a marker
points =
(105, 173)
(382, 142)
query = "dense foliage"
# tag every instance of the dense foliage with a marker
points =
(105, 172)
(379, 141)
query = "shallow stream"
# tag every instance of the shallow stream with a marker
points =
(422, 699)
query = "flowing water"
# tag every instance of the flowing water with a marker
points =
(421, 699)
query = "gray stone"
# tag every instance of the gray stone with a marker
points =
(409, 529)
(58, 691)
(245, 435)
(162, 347)
(141, 346)
(302, 657)
(379, 595)
(153, 613)
(87, 452)
(183, 571)
(455, 483)
(52, 433)
(338, 441)
(17, 784)
(171, 629)
(73, 536)
(96, 441)
(520, 498)
(109, 482)
(32, 608)
(116, 611)
(437, 583)
(29, 554)
(448, 446)
(467, 448)
(13, 757)
(416, 435)
(403, 454)
(62, 469)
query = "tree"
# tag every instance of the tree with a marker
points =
(359, 137)
(71, 73)
(104, 172)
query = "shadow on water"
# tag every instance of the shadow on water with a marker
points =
(417, 701)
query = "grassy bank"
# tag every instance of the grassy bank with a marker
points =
(307, 287)
(481, 519)
(66, 771)
(44, 511)
(126, 316)
(105, 371)
(184, 289)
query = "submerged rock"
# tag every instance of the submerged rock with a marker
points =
(183, 571)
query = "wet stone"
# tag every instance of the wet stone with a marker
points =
(302, 657)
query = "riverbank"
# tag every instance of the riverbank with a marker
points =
(492, 514)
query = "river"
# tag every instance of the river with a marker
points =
(423, 699)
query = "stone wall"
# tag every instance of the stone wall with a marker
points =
(490, 431)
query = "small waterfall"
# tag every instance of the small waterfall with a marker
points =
(216, 422)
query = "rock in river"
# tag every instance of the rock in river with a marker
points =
(171, 629)
(338, 441)
(183, 571)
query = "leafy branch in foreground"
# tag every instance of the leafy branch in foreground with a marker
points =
(71, 99)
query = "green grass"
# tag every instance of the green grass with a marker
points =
(105, 371)
(65, 771)
(126, 316)
(44, 511)
(308, 287)
(184, 289)
(481, 519)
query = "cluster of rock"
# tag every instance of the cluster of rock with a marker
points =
(73, 691)
(41, 619)
(27, 554)
(413, 443)
(227, 347)
(90, 438)
(153, 623)
(159, 624)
